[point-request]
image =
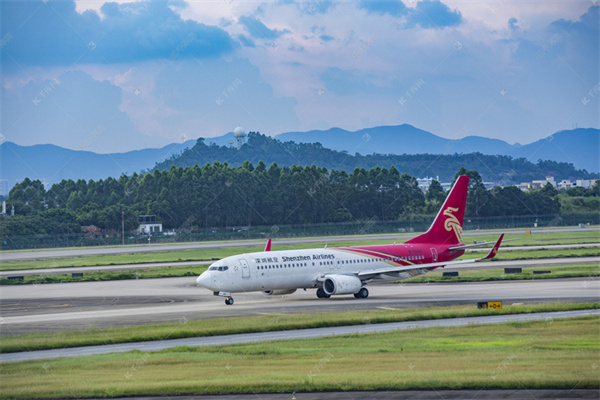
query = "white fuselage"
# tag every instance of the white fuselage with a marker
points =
(290, 269)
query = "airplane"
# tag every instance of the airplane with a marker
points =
(347, 270)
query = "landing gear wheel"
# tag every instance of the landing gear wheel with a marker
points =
(363, 293)
(229, 301)
(321, 294)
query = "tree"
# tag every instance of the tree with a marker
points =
(435, 192)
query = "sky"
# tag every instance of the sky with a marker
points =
(118, 76)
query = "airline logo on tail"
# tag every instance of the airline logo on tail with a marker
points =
(452, 223)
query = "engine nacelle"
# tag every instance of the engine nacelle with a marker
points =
(341, 284)
(278, 292)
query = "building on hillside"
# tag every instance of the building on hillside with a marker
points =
(565, 184)
(585, 183)
(425, 182)
(149, 225)
(541, 183)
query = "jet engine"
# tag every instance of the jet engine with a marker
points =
(341, 284)
(278, 292)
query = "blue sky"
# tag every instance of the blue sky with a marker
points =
(112, 77)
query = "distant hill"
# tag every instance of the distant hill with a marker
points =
(493, 168)
(578, 147)
(51, 164)
(400, 139)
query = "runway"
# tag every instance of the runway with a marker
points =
(74, 252)
(84, 305)
(365, 328)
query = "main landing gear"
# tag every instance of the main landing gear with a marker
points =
(363, 293)
(229, 301)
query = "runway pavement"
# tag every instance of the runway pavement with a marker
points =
(55, 307)
(74, 252)
(286, 335)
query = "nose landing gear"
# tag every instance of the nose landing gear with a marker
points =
(227, 295)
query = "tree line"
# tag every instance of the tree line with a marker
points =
(220, 195)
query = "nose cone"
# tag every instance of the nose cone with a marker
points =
(204, 279)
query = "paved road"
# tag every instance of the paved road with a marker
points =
(55, 307)
(126, 267)
(62, 253)
(286, 335)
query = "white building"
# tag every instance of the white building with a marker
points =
(149, 225)
(543, 182)
(425, 182)
(584, 183)
(565, 184)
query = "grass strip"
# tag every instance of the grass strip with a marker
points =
(171, 272)
(92, 276)
(584, 236)
(261, 323)
(497, 274)
(557, 354)
(538, 254)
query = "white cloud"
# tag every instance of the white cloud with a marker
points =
(339, 65)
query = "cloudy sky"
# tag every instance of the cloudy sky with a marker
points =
(117, 76)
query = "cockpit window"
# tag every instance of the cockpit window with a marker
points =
(218, 268)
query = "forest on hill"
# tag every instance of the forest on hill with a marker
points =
(219, 195)
(500, 169)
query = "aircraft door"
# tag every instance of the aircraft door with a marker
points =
(245, 268)
(434, 254)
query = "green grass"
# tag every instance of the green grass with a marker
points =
(497, 274)
(159, 272)
(537, 254)
(260, 323)
(168, 272)
(561, 353)
(583, 236)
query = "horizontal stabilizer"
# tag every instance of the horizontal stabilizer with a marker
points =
(470, 246)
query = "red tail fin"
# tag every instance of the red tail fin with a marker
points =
(447, 225)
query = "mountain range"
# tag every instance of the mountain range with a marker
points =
(579, 147)
(51, 164)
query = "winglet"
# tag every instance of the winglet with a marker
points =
(268, 246)
(494, 249)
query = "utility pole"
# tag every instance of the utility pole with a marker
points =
(123, 226)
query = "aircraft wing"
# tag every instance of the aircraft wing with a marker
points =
(365, 275)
